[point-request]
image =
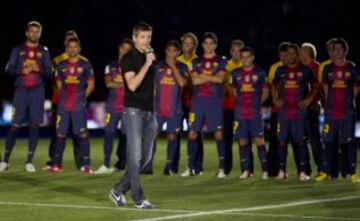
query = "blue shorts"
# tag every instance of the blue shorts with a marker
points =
(28, 105)
(206, 111)
(76, 119)
(248, 128)
(173, 124)
(339, 129)
(294, 128)
(113, 121)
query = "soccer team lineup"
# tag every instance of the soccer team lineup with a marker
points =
(290, 127)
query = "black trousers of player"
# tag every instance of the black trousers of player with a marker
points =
(228, 138)
(273, 159)
(315, 136)
(52, 145)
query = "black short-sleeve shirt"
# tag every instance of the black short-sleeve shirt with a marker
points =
(142, 97)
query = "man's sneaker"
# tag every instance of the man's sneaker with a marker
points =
(221, 174)
(55, 169)
(46, 168)
(118, 199)
(303, 176)
(145, 205)
(188, 173)
(321, 177)
(86, 169)
(4, 166)
(246, 174)
(168, 172)
(354, 179)
(265, 175)
(30, 168)
(104, 170)
(281, 175)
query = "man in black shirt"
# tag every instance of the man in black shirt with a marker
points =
(140, 125)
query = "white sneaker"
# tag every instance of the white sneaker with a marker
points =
(30, 168)
(187, 173)
(265, 175)
(303, 176)
(246, 174)
(4, 166)
(104, 170)
(145, 204)
(221, 174)
(281, 175)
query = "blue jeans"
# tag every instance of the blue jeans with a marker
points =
(140, 134)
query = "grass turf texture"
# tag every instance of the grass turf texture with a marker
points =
(72, 195)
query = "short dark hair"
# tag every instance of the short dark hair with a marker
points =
(210, 35)
(33, 24)
(71, 33)
(248, 49)
(190, 35)
(343, 43)
(73, 39)
(312, 48)
(126, 41)
(237, 42)
(141, 26)
(173, 43)
(329, 43)
(295, 47)
(283, 46)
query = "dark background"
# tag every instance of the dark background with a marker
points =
(102, 24)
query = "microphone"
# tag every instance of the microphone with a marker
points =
(150, 50)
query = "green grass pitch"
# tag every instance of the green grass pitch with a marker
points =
(72, 195)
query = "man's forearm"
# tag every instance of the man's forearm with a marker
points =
(135, 80)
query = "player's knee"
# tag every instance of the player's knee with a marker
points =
(192, 135)
(259, 141)
(243, 142)
(83, 135)
(282, 143)
(60, 136)
(15, 127)
(218, 135)
(171, 136)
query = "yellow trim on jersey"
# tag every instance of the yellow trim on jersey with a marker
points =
(321, 69)
(231, 65)
(273, 69)
(188, 63)
(62, 57)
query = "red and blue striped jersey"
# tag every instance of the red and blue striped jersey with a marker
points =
(25, 55)
(167, 100)
(74, 78)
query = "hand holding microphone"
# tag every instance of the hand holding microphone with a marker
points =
(150, 56)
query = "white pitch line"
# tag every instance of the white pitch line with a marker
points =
(295, 216)
(255, 208)
(93, 207)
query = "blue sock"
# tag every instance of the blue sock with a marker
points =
(303, 155)
(244, 157)
(282, 152)
(192, 149)
(221, 153)
(108, 146)
(326, 156)
(10, 143)
(60, 147)
(263, 158)
(171, 153)
(351, 158)
(33, 140)
(85, 150)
